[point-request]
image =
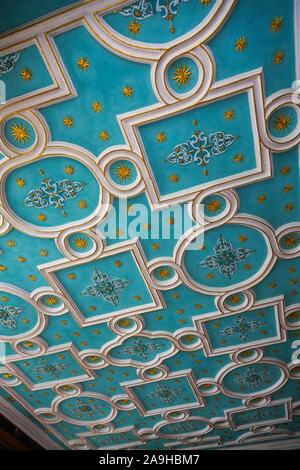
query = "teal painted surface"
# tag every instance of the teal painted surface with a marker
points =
(236, 330)
(51, 367)
(31, 60)
(45, 211)
(112, 73)
(165, 394)
(262, 43)
(85, 409)
(181, 127)
(20, 12)
(16, 315)
(133, 295)
(240, 269)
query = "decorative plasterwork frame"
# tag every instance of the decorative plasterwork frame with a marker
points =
(288, 415)
(132, 246)
(188, 374)
(278, 305)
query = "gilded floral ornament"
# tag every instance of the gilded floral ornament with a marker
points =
(8, 314)
(200, 148)
(53, 193)
(226, 258)
(7, 62)
(106, 287)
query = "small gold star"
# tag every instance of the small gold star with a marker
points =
(11, 243)
(276, 24)
(118, 264)
(20, 133)
(229, 114)
(32, 277)
(134, 27)
(182, 75)
(44, 253)
(261, 198)
(161, 137)
(72, 276)
(69, 170)
(68, 121)
(243, 238)
(205, 3)
(2, 267)
(22, 259)
(42, 217)
(4, 299)
(82, 204)
(97, 107)
(21, 182)
(127, 91)
(83, 64)
(241, 44)
(287, 188)
(26, 74)
(104, 135)
(289, 207)
(282, 122)
(278, 57)
(174, 178)
(285, 170)
(155, 246)
(239, 157)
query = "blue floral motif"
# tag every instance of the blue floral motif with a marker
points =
(7, 315)
(165, 393)
(226, 258)
(241, 328)
(201, 148)
(253, 378)
(86, 408)
(106, 287)
(46, 367)
(7, 62)
(146, 8)
(141, 349)
(53, 193)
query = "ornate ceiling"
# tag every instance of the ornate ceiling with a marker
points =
(149, 235)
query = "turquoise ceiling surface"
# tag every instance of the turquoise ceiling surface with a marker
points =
(149, 223)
